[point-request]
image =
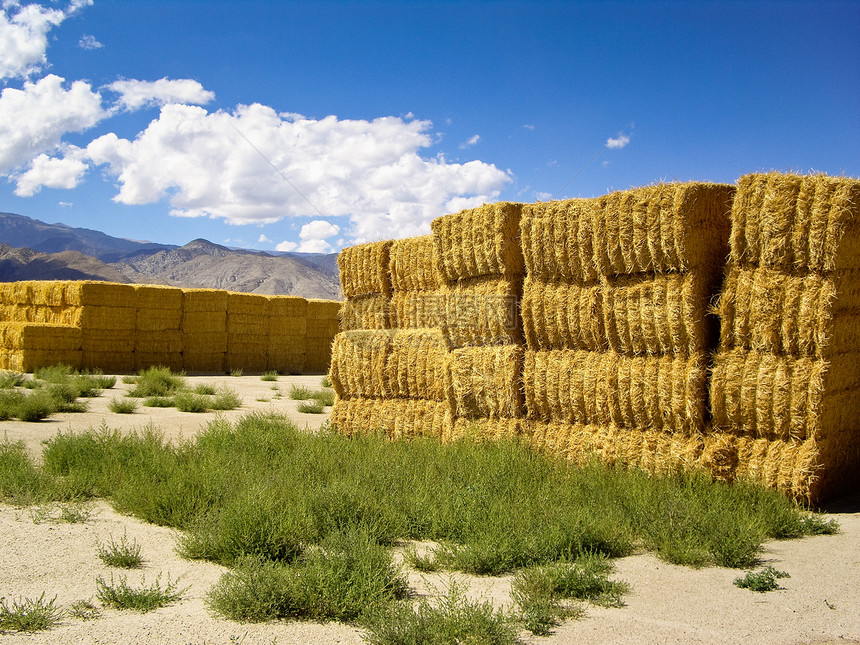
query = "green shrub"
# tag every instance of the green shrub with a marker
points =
(300, 393)
(324, 397)
(157, 381)
(25, 615)
(310, 407)
(271, 375)
(226, 399)
(36, 406)
(119, 595)
(761, 581)
(190, 402)
(122, 554)
(205, 389)
(122, 406)
(158, 402)
(8, 380)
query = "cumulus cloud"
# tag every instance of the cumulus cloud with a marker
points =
(314, 235)
(34, 119)
(617, 142)
(50, 172)
(471, 142)
(256, 165)
(134, 94)
(286, 245)
(89, 42)
(24, 35)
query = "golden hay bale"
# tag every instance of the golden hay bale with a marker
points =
(479, 242)
(286, 362)
(27, 336)
(557, 240)
(17, 293)
(796, 223)
(240, 343)
(287, 307)
(109, 362)
(169, 341)
(287, 328)
(97, 317)
(28, 360)
(325, 310)
(144, 360)
(247, 325)
(287, 344)
(194, 362)
(395, 418)
(482, 311)
(358, 363)
(204, 300)
(206, 342)
(417, 365)
(484, 429)
(805, 314)
(317, 355)
(779, 397)
(246, 361)
(606, 388)
(417, 309)
(49, 293)
(158, 297)
(100, 294)
(487, 381)
(158, 319)
(204, 322)
(246, 305)
(413, 264)
(365, 312)
(108, 340)
(364, 269)
(562, 315)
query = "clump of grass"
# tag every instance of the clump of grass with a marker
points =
(61, 513)
(454, 619)
(326, 381)
(84, 610)
(761, 581)
(8, 379)
(21, 483)
(158, 402)
(122, 554)
(300, 393)
(122, 406)
(191, 402)
(205, 389)
(271, 375)
(226, 399)
(119, 595)
(236, 372)
(129, 379)
(310, 407)
(157, 381)
(26, 615)
(324, 397)
(36, 406)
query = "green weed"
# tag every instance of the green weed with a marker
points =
(190, 402)
(310, 407)
(300, 393)
(761, 581)
(26, 615)
(119, 595)
(271, 375)
(122, 554)
(84, 610)
(122, 406)
(324, 397)
(157, 381)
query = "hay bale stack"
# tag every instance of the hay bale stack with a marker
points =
(784, 391)
(366, 282)
(417, 365)
(247, 332)
(204, 330)
(158, 327)
(287, 330)
(616, 321)
(322, 326)
(415, 279)
(27, 346)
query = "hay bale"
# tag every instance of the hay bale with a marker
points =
(158, 297)
(562, 315)
(606, 388)
(317, 355)
(204, 322)
(477, 242)
(287, 330)
(557, 240)
(112, 318)
(365, 312)
(796, 223)
(358, 363)
(287, 307)
(394, 418)
(285, 362)
(250, 361)
(248, 326)
(168, 341)
(357, 417)
(417, 366)
(120, 341)
(806, 314)
(247, 305)
(35, 336)
(91, 293)
(109, 362)
(144, 360)
(487, 381)
(204, 300)
(779, 397)
(364, 269)
(417, 309)
(209, 342)
(482, 311)
(194, 362)
(29, 360)
(413, 264)
(323, 309)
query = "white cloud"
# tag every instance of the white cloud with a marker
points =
(529, 126)
(89, 42)
(135, 95)
(51, 173)
(263, 239)
(314, 235)
(65, 204)
(34, 119)
(618, 142)
(256, 165)
(286, 246)
(472, 141)
(24, 35)
(543, 196)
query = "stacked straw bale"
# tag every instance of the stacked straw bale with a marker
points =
(287, 331)
(24, 346)
(615, 317)
(158, 327)
(204, 330)
(785, 388)
(391, 376)
(322, 325)
(481, 266)
(247, 332)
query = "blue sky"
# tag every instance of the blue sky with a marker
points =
(313, 125)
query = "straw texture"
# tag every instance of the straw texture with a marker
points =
(418, 365)
(413, 264)
(487, 382)
(482, 311)
(358, 363)
(364, 269)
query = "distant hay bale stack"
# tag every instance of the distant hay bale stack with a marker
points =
(27, 346)
(417, 366)
(287, 307)
(288, 326)
(486, 382)
(606, 388)
(247, 332)
(158, 308)
(197, 361)
(358, 363)
(322, 326)
(364, 269)
(109, 362)
(92, 293)
(413, 264)
(796, 223)
(477, 242)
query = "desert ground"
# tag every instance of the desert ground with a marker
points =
(819, 604)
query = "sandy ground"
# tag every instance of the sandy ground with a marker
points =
(819, 604)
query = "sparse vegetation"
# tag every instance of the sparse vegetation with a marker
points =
(310, 407)
(122, 406)
(300, 393)
(50, 390)
(157, 381)
(119, 595)
(84, 610)
(26, 615)
(61, 512)
(271, 375)
(762, 580)
(122, 554)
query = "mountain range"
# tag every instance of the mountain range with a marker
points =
(34, 250)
